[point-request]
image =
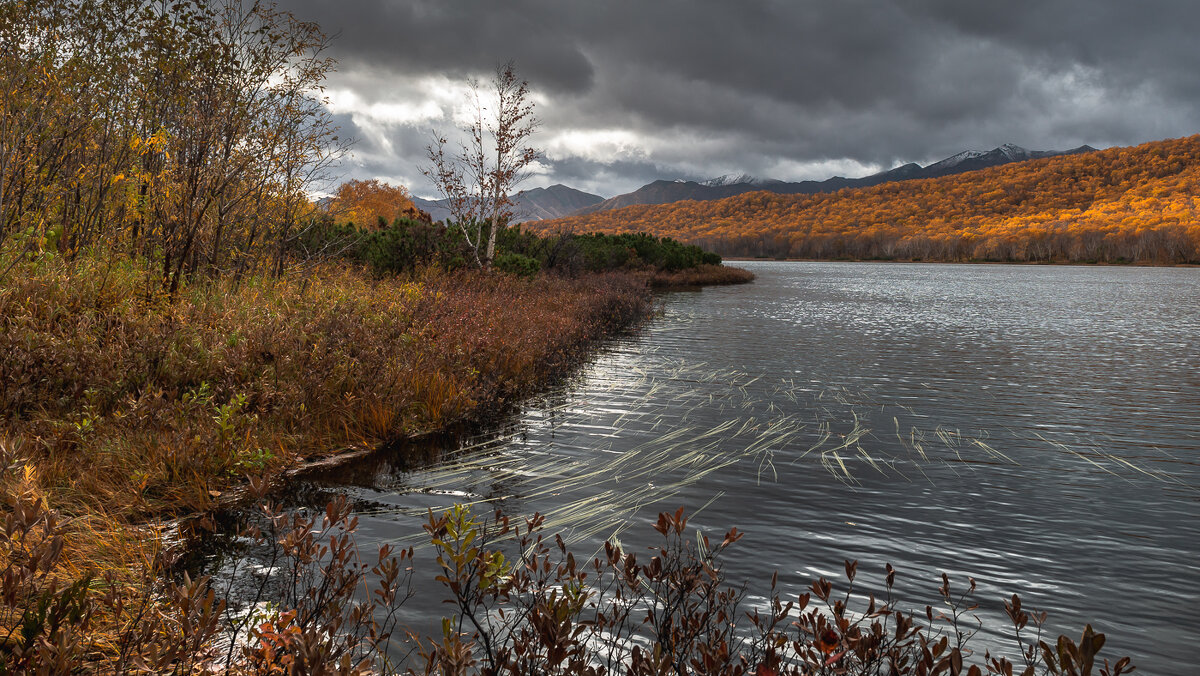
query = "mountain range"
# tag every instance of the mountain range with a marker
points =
(537, 204)
(1118, 205)
(559, 200)
(664, 192)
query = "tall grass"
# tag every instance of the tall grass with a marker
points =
(120, 405)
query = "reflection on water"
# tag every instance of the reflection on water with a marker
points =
(1034, 427)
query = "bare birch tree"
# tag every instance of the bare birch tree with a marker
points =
(477, 182)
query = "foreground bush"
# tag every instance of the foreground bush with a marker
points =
(674, 612)
(521, 604)
(319, 607)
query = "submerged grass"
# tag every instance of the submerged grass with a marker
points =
(642, 432)
(120, 405)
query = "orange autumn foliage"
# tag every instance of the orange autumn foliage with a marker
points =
(365, 203)
(1122, 204)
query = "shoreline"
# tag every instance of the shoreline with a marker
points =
(154, 414)
(1096, 264)
(237, 497)
(484, 414)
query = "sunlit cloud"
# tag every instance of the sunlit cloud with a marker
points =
(603, 145)
(384, 112)
(816, 170)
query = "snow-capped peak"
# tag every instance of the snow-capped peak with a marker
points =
(1014, 152)
(1009, 151)
(731, 179)
(955, 160)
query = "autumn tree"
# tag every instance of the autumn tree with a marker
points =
(477, 182)
(231, 94)
(367, 203)
(42, 126)
(187, 133)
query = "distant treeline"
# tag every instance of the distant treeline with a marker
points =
(1164, 245)
(406, 244)
(1119, 205)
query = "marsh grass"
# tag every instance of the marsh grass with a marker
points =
(121, 406)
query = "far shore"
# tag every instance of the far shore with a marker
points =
(1084, 264)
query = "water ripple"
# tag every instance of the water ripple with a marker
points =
(1033, 427)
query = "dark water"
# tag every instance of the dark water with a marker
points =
(1037, 428)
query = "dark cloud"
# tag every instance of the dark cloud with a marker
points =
(454, 38)
(635, 90)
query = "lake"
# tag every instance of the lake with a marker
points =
(1036, 427)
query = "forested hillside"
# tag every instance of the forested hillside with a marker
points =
(665, 192)
(1135, 204)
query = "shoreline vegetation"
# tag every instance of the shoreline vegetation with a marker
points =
(157, 404)
(126, 405)
(122, 401)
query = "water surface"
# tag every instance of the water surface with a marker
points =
(1037, 428)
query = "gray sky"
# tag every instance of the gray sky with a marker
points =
(632, 91)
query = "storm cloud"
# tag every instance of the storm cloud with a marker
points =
(632, 91)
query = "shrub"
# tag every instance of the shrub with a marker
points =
(401, 247)
(517, 264)
(406, 245)
(318, 607)
(151, 624)
(543, 611)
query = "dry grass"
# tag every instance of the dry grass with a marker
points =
(120, 407)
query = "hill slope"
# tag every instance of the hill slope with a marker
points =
(1120, 204)
(664, 192)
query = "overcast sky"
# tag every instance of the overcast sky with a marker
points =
(629, 92)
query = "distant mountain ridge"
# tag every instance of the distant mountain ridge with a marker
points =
(1120, 205)
(529, 205)
(665, 192)
(736, 179)
(560, 200)
(971, 160)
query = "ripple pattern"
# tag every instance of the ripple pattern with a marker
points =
(1037, 428)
